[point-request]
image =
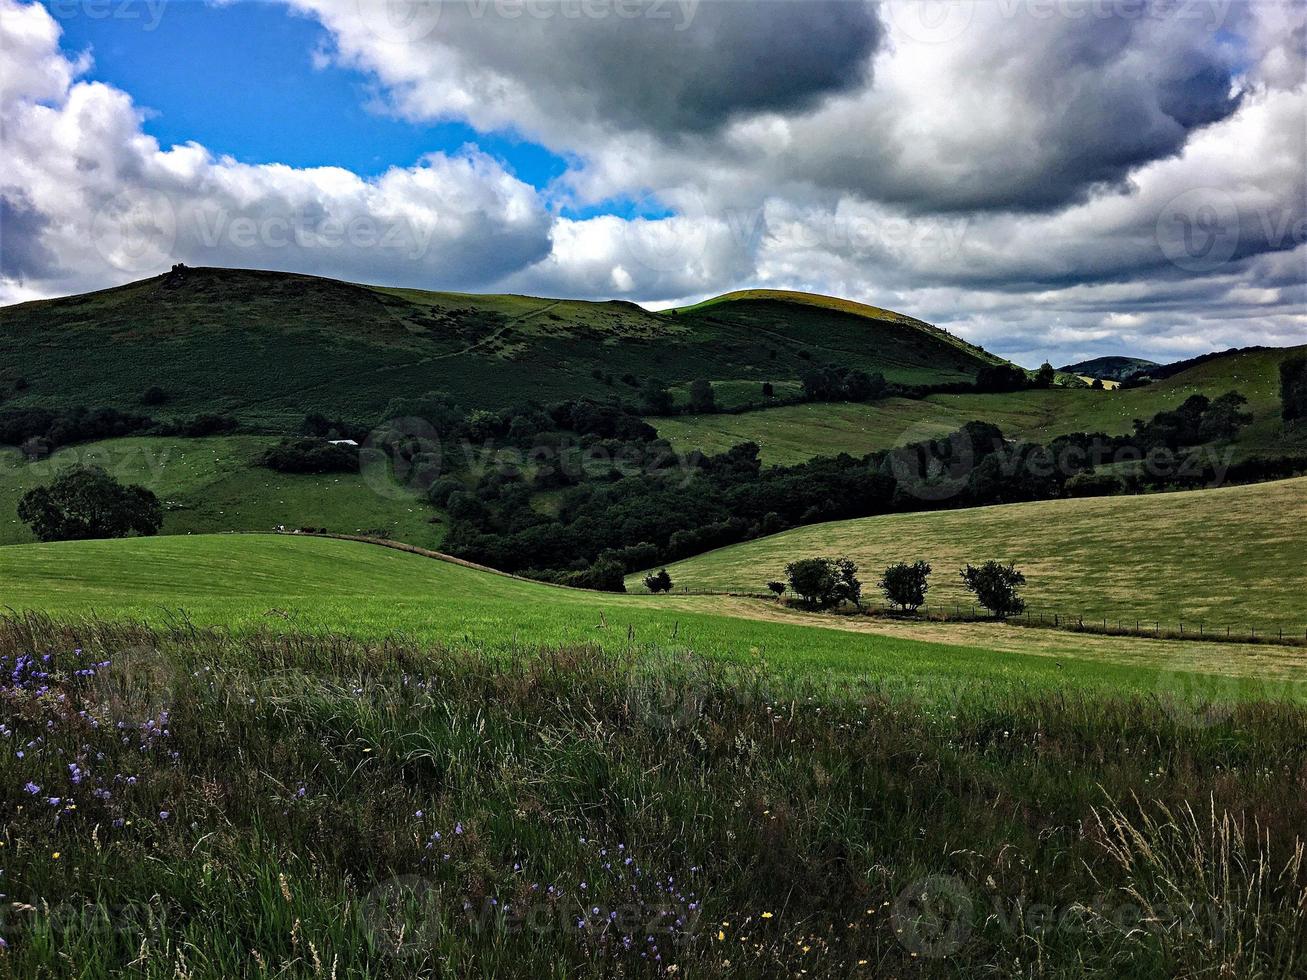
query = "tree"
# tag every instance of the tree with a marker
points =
(1045, 376)
(995, 587)
(1293, 388)
(154, 395)
(905, 585)
(778, 588)
(1097, 384)
(1224, 418)
(660, 582)
(768, 390)
(655, 398)
(823, 583)
(88, 503)
(702, 399)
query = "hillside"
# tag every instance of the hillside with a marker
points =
(270, 347)
(793, 433)
(1228, 557)
(1110, 368)
(214, 484)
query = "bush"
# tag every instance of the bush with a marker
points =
(660, 582)
(605, 575)
(1293, 388)
(905, 585)
(702, 399)
(88, 503)
(154, 395)
(824, 583)
(311, 456)
(1090, 484)
(777, 587)
(995, 587)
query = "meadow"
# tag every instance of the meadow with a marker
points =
(792, 433)
(214, 484)
(1226, 557)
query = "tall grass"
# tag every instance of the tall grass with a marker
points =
(320, 806)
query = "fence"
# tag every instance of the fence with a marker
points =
(1049, 617)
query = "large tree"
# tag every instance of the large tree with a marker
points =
(89, 503)
(1293, 388)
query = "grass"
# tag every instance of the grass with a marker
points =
(793, 433)
(292, 344)
(207, 805)
(1231, 556)
(213, 484)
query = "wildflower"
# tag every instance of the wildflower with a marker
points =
(766, 915)
(56, 855)
(32, 788)
(164, 814)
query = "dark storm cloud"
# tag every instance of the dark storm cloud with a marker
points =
(681, 67)
(23, 254)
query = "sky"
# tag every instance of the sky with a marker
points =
(1052, 179)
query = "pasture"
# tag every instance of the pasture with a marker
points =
(1228, 557)
(793, 433)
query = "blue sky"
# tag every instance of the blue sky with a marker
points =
(240, 79)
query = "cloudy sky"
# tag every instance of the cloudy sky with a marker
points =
(1048, 178)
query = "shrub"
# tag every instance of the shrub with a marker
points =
(905, 585)
(605, 575)
(702, 399)
(1293, 388)
(660, 582)
(87, 503)
(777, 587)
(311, 456)
(824, 583)
(995, 587)
(154, 395)
(1090, 484)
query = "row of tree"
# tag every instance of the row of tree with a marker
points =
(828, 583)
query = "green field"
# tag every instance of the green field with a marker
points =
(793, 433)
(289, 344)
(213, 484)
(1227, 557)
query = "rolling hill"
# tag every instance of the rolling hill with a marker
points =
(1228, 557)
(314, 585)
(1110, 368)
(793, 433)
(269, 347)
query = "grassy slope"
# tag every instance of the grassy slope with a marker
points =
(290, 344)
(322, 584)
(1231, 556)
(213, 485)
(798, 432)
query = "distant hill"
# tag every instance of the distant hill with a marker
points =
(1110, 368)
(269, 347)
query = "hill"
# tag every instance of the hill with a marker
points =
(1110, 368)
(793, 433)
(269, 347)
(215, 484)
(1228, 557)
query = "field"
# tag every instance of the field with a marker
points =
(1227, 557)
(213, 484)
(347, 761)
(793, 433)
(292, 344)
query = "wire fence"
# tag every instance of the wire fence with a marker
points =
(1171, 627)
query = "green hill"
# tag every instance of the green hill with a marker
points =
(793, 433)
(1228, 557)
(1109, 368)
(291, 582)
(214, 484)
(269, 347)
